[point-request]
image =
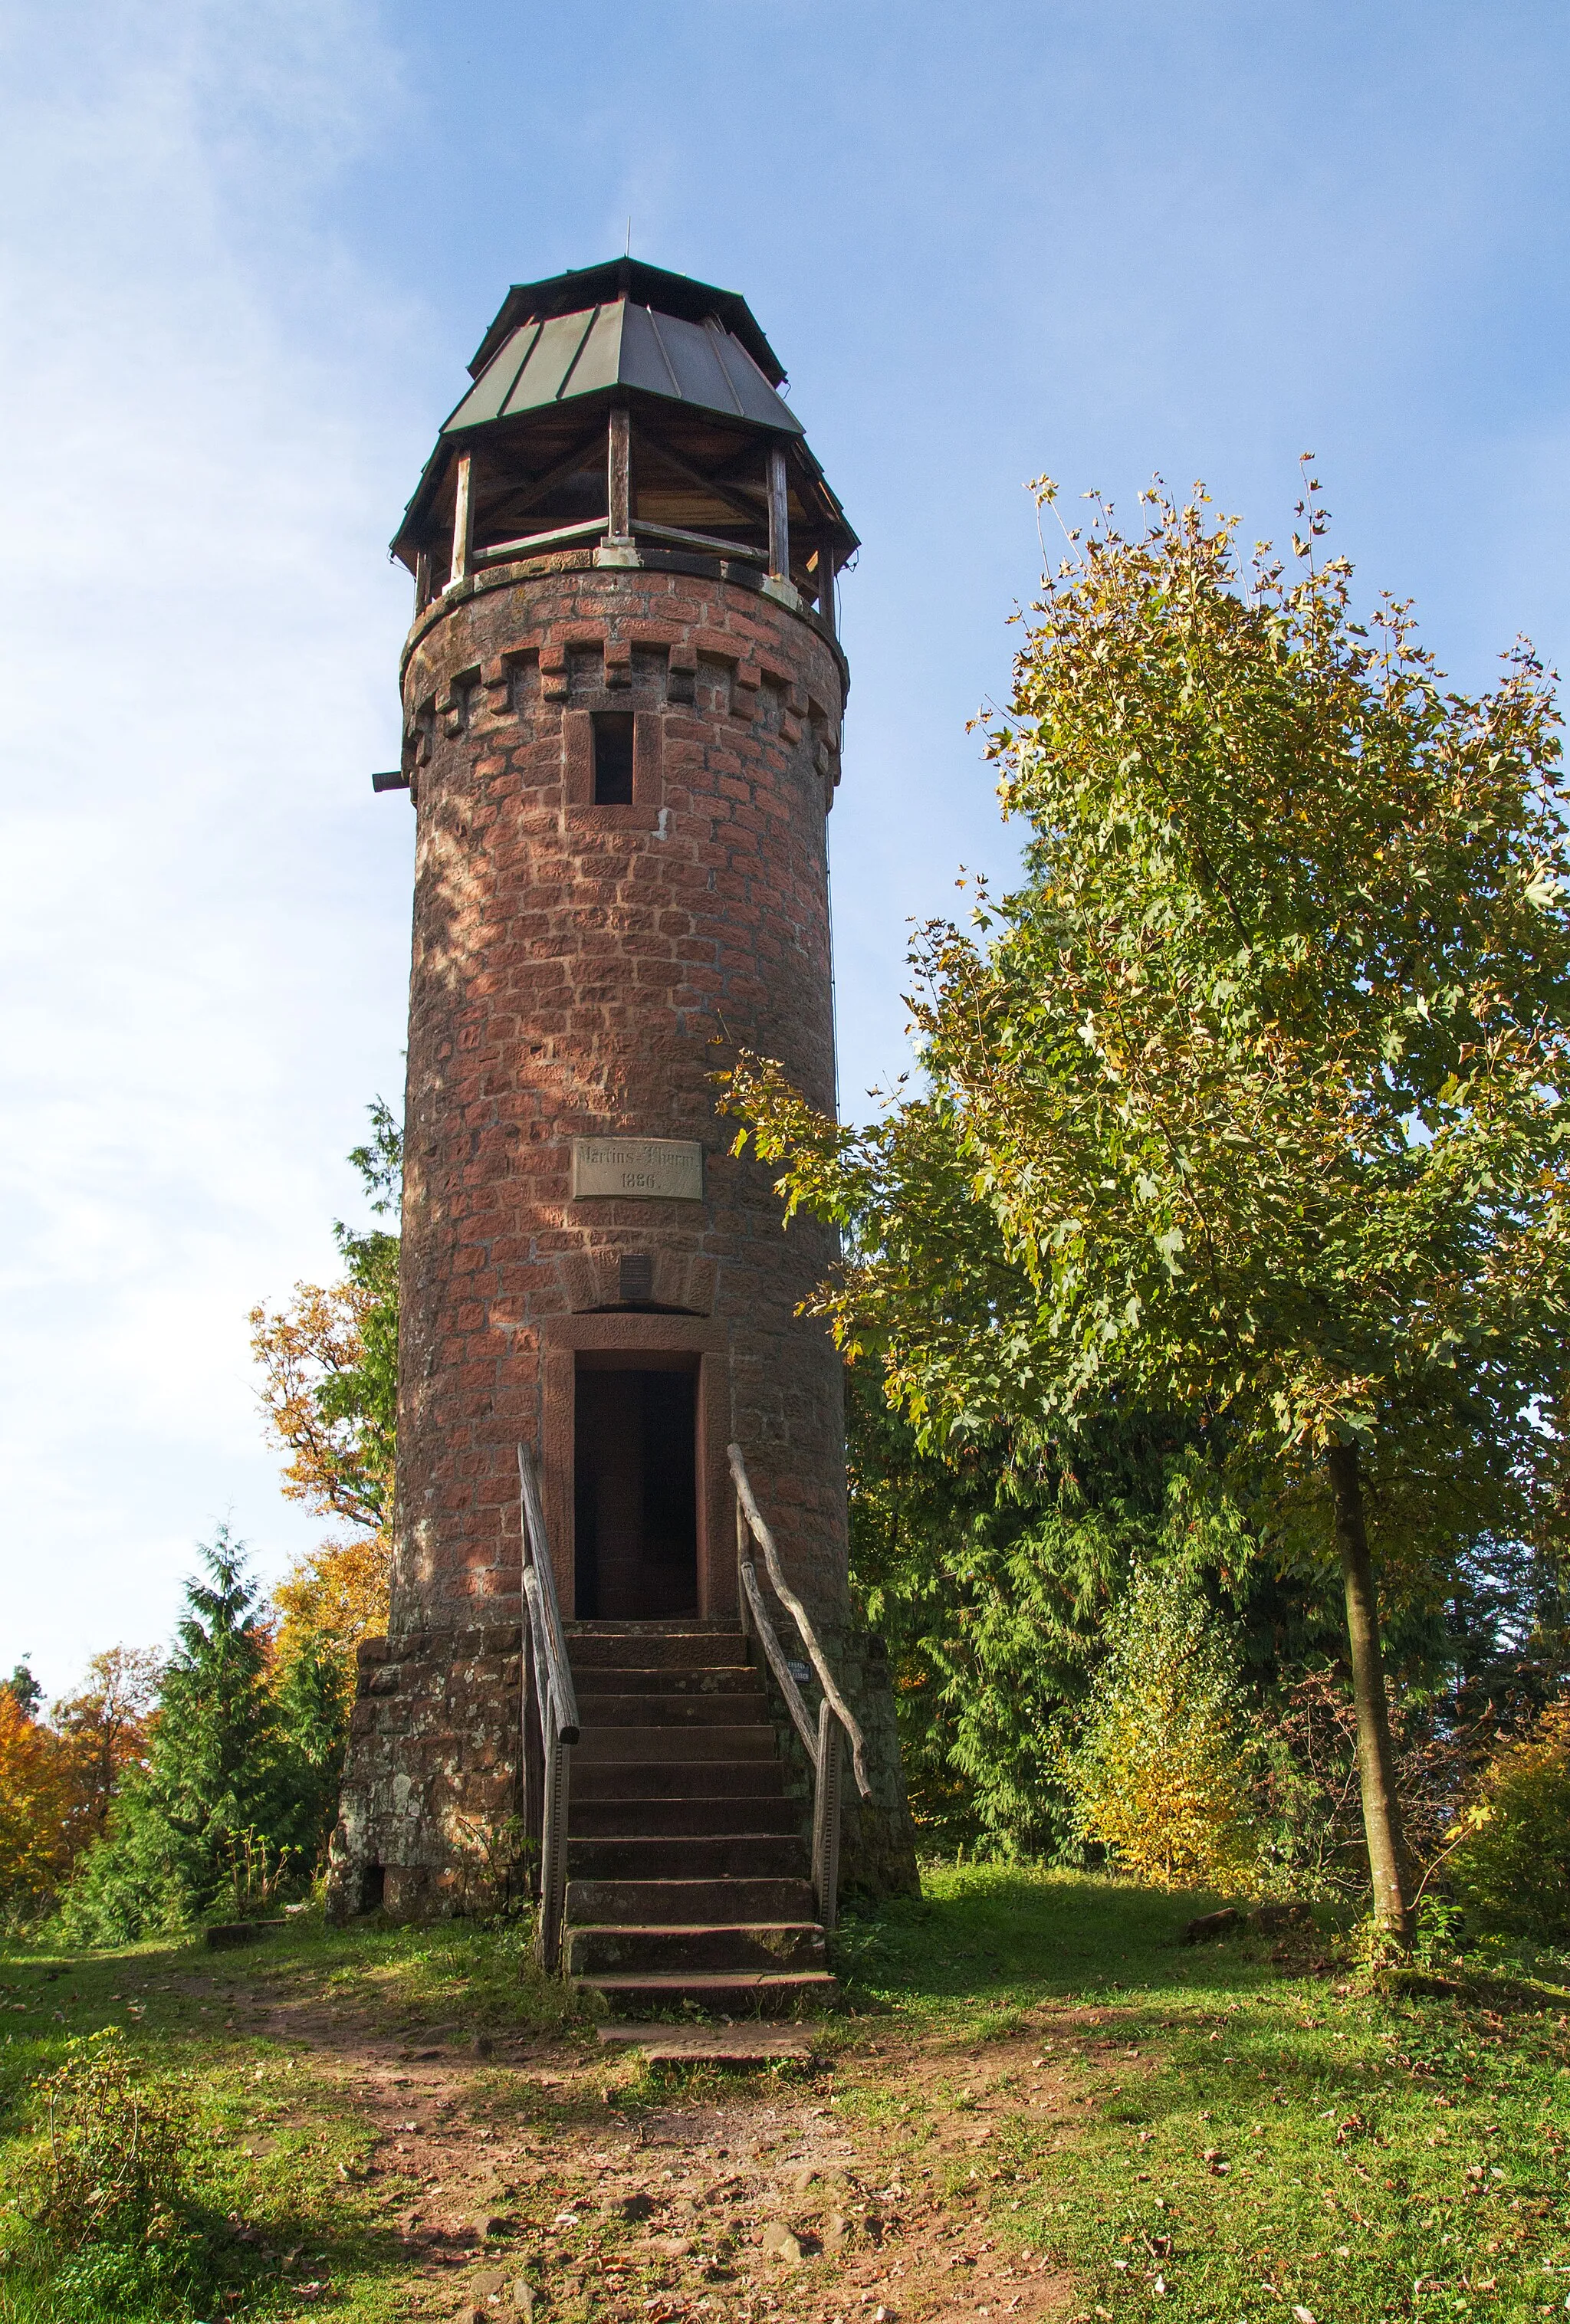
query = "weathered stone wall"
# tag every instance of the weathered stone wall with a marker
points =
(433, 1770)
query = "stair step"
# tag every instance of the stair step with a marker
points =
(712, 2045)
(681, 1645)
(722, 1680)
(753, 1993)
(685, 1904)
(649, 1745)
(676, 1779)
(744, 1817)
(711, 1949)
(749, 1856)
(675, 1711)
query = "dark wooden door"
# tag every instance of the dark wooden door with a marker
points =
(635, 1456)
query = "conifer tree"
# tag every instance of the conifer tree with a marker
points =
(218, 1779)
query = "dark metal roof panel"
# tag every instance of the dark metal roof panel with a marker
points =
(487, 399)
(599, 359)
(622, 345)
(581, 288)
(551, 361)
(644, 362)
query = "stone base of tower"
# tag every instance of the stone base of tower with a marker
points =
(431, 1779)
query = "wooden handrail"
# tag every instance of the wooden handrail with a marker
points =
(550, 1636)
(775, 1653)
(802, 1620)
(554, 1706)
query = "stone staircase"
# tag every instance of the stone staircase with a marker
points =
(688, 1875)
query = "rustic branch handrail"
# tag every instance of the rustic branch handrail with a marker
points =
(803, 1621)
(778, 1662)
(537, 1559)
(549, 1696)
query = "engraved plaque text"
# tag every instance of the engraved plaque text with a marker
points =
(638, 1170)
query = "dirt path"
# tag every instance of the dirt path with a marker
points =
(548, 2177)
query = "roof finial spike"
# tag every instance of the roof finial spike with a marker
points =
(629, 237)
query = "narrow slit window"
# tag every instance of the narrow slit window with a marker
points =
(613, 758)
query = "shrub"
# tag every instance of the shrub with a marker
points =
(1511, 1867)
(112, 2172)
(1160, 1774)
(110, 2230)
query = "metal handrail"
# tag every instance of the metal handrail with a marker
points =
(820, 1740)
(550, 1695)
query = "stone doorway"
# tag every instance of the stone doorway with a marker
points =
(636, 1488)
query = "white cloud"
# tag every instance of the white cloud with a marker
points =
(204, 920)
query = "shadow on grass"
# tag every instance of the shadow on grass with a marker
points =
(993, 1932)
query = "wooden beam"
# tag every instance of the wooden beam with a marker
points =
(747, 500)
(709, 541)
(517, 500)
(779, 515)
(825, 585)
(462, 519)
(621, 474)
(421, 580)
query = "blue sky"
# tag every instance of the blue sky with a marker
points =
(245, 254)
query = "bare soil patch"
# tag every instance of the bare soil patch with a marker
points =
(544, 2176)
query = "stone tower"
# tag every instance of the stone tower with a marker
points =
(623, 694)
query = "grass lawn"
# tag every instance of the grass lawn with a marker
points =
(1248, 2140)
(1038, 2104)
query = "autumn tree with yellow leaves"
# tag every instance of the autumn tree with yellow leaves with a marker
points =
(329, 1368)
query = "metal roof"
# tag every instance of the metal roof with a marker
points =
(550, 358)
(583, 287)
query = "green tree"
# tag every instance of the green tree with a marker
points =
(1253, 1085)
(315, 1688)
(992, 1569)
(23, 1689)
(218, 1773)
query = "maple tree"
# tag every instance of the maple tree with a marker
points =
(107, 1721)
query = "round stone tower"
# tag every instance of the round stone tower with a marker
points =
(623, 694)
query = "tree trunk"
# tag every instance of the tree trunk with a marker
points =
(1381, 1820)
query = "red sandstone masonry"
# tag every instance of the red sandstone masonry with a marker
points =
(575, 972)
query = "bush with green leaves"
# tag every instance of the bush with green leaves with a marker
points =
(1511, 1869)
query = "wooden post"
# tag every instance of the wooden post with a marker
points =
(621, 477)
(530, 1753)
(552, 1851)
(779, 516)
(826, 1818)
(462, 520)
(744, 1553)
(421, 580)
(825, 587)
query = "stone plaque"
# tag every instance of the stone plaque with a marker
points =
(638, 1170)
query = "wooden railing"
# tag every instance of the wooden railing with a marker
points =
(550, 1723)
(820, 1737)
